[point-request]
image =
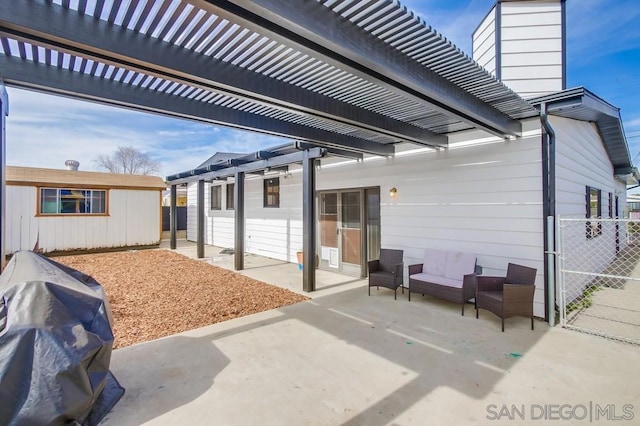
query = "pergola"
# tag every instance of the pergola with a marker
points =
(342, 77)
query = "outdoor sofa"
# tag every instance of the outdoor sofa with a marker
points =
(447, 275)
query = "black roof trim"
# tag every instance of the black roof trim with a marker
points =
(581, 104)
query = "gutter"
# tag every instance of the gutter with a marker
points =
(549, 212)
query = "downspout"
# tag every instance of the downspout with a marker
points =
(549, 211)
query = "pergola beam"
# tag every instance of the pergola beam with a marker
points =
(313, 29)
(52, 26)
(51, 79)
(270, 163)
(334, 152)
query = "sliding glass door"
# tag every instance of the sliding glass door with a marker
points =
(349, 229)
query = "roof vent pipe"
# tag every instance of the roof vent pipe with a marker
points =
(72, 164)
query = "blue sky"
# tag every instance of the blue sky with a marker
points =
(603, 55)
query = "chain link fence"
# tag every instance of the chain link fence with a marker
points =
(599, 277)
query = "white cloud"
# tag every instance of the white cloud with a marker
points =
(45, 130)
(632, 124)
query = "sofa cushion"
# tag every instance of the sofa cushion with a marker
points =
(434, 262)
(437, 279)
(459, 264)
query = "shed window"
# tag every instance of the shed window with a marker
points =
(216, 197)
(272, 192)
(55, 201)
(230, 199)
(593, 209)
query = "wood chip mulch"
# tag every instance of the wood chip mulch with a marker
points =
(157, 293)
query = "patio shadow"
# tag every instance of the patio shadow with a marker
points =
(349, 358)
(162, 375)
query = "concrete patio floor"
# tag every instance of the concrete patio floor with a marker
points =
(346, 358)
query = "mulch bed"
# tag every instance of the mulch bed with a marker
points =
(157, 293)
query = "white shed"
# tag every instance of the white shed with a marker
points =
(64, 210)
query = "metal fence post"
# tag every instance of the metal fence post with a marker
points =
(551, 271)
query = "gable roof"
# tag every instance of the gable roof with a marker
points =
(219, 158)
(33, 176)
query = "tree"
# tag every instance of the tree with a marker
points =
(128, 160)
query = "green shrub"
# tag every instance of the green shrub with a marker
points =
(585, 300)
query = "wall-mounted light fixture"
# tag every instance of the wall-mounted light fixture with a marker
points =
(392, 192)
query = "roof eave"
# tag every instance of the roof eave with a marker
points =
(581, 104)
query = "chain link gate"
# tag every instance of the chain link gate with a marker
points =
(599, 277)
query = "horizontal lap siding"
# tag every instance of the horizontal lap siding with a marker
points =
(449, 200)
(275, 232)
(581, 160)
(134, 219)
(485, 199)
(221, 232)
(484, 43)
(192, 210)
(270, 232)
(531, 47)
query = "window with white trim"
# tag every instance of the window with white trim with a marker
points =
(230, 196)
(216, 197)
(272, 192)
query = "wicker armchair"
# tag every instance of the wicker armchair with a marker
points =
(387, 271)
(508, 296)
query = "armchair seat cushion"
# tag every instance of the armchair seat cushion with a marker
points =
(493, 295)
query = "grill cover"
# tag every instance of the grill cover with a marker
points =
(55, 345)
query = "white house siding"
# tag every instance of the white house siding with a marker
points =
(484, 42)
(134, 219)
(581, 160)
(531, 47)
(484, 199)
(270, 232)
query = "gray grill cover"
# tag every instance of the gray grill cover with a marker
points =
(55, 345)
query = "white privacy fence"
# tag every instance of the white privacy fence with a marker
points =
(599, 277)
